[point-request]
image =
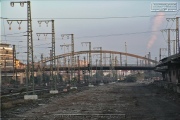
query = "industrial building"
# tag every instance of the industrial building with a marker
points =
(170, 69)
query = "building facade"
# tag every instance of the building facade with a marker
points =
(170, 69)
(6, 54)
(6, 60)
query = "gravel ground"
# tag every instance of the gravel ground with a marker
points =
(128, 101)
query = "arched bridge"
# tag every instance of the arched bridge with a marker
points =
(148, 64)
(98, 51)
(145, 64)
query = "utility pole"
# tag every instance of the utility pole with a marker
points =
(111, 66)
(30, 57)
(57, 69)
(42, 69)
(109, 62)
(140, 62)
(72, 50)
(64, 59)
(68, 72)
(90, 60)
(74, 68)
(104, 56)
(137, 61)
(78, 70)
(14, 63)
(149, 57)
(115, 66)
(64, 65)
(51, 69)
(0, 72)
(96, 69)
(52, 49)
(174, 46)
(120, 59)
(5, 68)
(67, 46)
(169, 45)
(84, 68)
(160, 52)
(177, 33)
(100, 60)
(126, 53)
(145, 60)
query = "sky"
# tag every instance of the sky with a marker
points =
(104, 23)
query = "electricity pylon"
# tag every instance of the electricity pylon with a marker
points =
(100, 48)
(72, 49)
(169, 45)
(52, 47)
(67, 46)
(177, 33)
(90, 60)
(30, 58)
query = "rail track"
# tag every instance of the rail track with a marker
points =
(12, 94)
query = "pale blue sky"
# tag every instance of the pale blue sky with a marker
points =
(137, 43)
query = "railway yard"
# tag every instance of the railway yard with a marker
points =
(112, 101)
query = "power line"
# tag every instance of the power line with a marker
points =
(110, 35)
(13, 34)
(41, 44)
(116, 34)
(17, 36)
(116, 17)
(102, 35)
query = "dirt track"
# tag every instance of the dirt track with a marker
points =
(129, 101)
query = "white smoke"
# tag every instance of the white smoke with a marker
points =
(156, 25)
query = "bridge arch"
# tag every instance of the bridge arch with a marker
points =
(98, 51)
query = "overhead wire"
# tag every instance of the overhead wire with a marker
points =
(102, 35)
(117, 34)
(170, 27)
(113, 17)
(13, 34)
(8, 35)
